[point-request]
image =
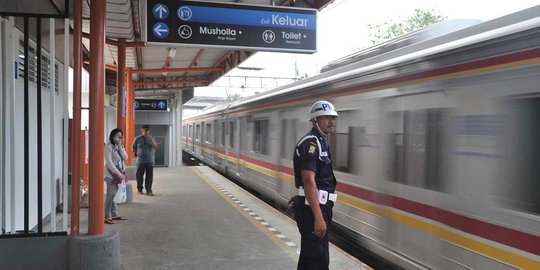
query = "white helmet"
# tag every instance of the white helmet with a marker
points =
(320, 108)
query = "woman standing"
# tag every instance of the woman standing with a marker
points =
(115, 154)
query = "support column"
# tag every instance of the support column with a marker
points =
(130, 97)
(120, 74)
(52, 120)
(65, 113)
(131, 126)
(97, 92)
(2, 130)
(76, 127)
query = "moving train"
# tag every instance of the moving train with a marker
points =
(436, 150)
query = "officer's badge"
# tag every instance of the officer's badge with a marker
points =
(312, 149)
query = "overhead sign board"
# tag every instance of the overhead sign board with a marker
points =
(265, 28)
(150, 104)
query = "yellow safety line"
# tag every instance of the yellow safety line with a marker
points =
(288, 250)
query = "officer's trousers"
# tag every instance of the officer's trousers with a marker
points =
(314, 253)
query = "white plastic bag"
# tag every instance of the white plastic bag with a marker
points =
(121, 194)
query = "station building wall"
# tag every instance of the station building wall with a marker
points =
(12, 132)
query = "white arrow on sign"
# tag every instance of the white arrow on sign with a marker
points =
(160, 9)
(158, 30)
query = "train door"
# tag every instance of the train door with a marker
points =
(191, 138)
(220, 143)
(231, 145)
(208, 150)
(288, 127)
(240, 127)
(211, 141)
(281, 157)
(198, 139)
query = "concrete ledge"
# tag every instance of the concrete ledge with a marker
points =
(131, 172)
(95, 252)
(47, 253)
(129, 191)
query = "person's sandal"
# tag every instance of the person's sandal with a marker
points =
(119, 218)
(109, 221)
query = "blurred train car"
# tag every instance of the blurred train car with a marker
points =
(437, 149)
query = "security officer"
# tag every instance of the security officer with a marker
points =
(316, 183)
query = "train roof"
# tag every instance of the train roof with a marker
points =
(415, 37)
(414, 46)
(439, 34)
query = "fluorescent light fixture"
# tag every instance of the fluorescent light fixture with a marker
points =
(250, 68)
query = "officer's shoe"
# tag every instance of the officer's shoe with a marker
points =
(149, 193)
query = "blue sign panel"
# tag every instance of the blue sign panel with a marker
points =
(267, 28)
(247, 17)
(150, 104)
(124, 101)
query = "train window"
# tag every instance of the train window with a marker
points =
(340, 142)
(260, 136)
(208, 133)
(222, 134)
(520, 186)
(416, 147)
(288, 137)
(190, 131)
(232, 129)
(197, 132)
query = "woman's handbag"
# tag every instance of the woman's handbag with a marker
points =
(117, 179)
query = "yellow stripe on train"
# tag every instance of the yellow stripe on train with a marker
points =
(465, 242)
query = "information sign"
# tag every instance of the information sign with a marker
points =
(150, 104)
(266, 28)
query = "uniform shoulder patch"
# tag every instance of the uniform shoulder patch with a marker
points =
(312, 146)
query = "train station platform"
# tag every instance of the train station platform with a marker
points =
(200, 220)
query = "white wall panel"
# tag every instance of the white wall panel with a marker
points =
(153, 118)
(12, 138)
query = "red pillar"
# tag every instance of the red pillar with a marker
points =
(96, 212)
(130, 127)
(76, 127)
(120, 74)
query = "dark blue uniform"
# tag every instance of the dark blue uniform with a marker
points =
(313, 153)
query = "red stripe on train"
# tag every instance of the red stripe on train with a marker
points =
(503, 235)
(496, 233)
